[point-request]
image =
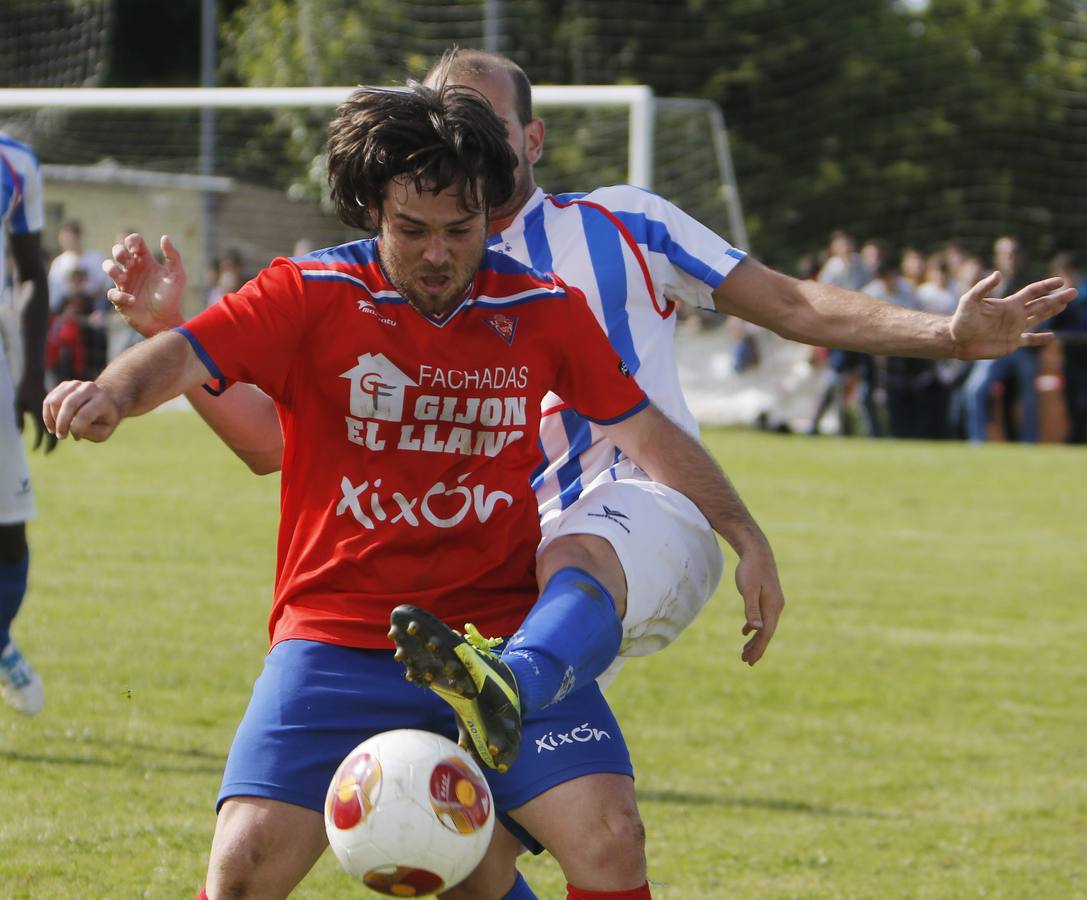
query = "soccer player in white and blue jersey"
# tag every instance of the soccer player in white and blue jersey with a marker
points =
(21, 220)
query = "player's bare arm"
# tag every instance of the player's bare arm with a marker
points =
(148, 296)
(139, 380)
(33, 298)
(672, 457)
(807, 311)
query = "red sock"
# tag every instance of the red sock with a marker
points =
(638, 893)
(203, 895)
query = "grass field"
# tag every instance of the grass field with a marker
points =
(918, 729)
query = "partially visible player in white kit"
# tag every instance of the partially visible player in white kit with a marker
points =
(21, 221)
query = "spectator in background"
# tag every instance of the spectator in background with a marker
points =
(65, 353)
(76, 293)
(844, 267)
(873, 252)
(81, 316)
(960, 271)
(935, 293)
(938, 293)
(1017, 371)
(228, 276)
(849, 370)
(303, 246)
(73, 256)
(954, 254)
(913, 267)
(1071, 328)
(916, 400)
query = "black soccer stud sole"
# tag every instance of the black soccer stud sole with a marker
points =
(426, 648)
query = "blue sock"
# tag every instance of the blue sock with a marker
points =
(12, 589)
(568, 638)
(520, 890)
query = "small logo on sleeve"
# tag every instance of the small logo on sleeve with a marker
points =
(504, 326)
(623, 370)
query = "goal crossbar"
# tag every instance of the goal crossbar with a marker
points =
(638, 99)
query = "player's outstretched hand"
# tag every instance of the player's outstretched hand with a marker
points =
(985, 327)
(82, 410)
(759, 585)
(28, 402)
(147, 293)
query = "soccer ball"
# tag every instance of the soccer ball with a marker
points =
(409, 813)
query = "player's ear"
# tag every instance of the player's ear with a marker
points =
(534, 140)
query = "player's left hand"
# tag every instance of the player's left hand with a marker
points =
(758, 583)
(28, 402)
(986, 327)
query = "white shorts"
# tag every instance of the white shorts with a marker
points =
(667, 549)
(16, 497)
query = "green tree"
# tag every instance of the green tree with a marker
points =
(913, 122)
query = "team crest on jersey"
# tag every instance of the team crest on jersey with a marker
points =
(377, 388)
(504, 326)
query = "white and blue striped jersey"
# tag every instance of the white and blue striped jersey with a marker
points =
(22, 208)
(634, 255)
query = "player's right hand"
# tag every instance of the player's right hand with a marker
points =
(82, 410)
(147, 293)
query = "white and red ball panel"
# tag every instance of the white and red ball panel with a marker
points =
(409, 813)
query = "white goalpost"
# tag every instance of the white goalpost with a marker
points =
(638, 99)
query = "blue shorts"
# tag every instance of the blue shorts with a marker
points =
(315, 702)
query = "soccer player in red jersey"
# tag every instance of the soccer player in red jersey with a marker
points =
(408, 373)
(590, 534)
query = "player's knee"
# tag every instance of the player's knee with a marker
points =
(623, 835)
(12, 543)
(588, 552)
(234, 870)
(610, 851)
(240, 865)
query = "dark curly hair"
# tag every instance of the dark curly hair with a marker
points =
(434, 137)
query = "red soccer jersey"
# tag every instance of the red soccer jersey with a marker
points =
(408, 443)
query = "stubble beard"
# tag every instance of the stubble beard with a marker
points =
(403, 279)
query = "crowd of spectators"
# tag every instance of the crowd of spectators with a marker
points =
(875, 396)
(949, 399)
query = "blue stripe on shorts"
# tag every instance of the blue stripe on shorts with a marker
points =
(315, 702)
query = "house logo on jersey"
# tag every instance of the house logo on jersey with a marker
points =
(377, 388)
(504, 326)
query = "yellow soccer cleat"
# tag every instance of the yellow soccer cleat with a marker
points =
(465, 672)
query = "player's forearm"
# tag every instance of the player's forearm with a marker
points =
(684, 465)
(150, 373)
(245, 419)
(828, 316)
